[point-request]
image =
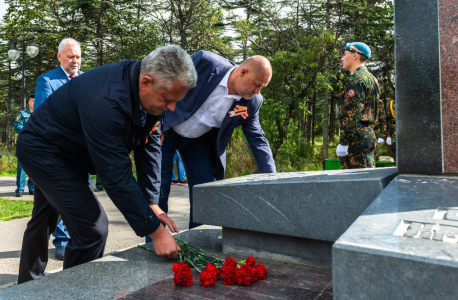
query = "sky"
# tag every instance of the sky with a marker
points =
(3, 8)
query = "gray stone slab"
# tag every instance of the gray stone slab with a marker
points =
(378, 257)
(114, 275)
(314, 205)
(278, 247)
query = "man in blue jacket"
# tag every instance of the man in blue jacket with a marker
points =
(200, 128)
(19, 123)
(89, 125)
(69, 56)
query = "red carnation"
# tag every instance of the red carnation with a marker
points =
(250, 261)
(209, 275)
(261, 272)
(183, 274)
(245, 275)
(229, 270)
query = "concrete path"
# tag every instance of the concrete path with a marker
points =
(120, 235)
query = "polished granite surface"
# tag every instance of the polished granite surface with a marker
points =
(404, 246)
(419, 125)
(139, 274)
(384, 226)
(312, 205)
(284, 281)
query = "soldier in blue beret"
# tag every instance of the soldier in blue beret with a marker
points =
(358, 110)
(22, 118)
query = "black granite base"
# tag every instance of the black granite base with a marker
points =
(278, 247)
(284, 281)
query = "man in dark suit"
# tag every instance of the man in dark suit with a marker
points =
(69, 56)
(200, 128)
(89, 125)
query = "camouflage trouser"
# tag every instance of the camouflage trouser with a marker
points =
(361, 148)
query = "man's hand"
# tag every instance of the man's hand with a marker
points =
(164, 218)
(388, 140)
(342, 150)
(380, 140)
(164, 244)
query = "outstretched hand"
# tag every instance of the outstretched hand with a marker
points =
(164, 218)
(164, 244)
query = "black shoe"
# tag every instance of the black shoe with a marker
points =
(30, 192)
(98, 189)
(60, 252)
(18, 194)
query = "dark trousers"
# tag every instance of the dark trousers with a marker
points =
(61, 189)
(196, 154)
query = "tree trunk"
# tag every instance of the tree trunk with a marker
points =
(325, 124)
(313, 118)
(332, 117)
(302, 127)
(326, 94)
(309, 123)
(245, 42)
(99, 34)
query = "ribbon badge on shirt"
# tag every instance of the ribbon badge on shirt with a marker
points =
(155, 127)
(239, 111)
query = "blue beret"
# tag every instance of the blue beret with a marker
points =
(32, 96)
(360, 48)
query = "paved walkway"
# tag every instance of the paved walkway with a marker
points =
(120, 235)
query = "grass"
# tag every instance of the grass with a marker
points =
(14, 209)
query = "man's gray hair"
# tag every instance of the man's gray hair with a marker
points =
(167, 64)
(66, 41)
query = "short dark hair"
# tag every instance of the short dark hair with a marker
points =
(362, 58)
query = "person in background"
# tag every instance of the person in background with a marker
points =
(69, 56)
(19, 123)
(98, 184)
(181, 172)
(380, 130)
(358, 109)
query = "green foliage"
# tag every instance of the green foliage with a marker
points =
(303, 39)
(14, 209)
(8, 163)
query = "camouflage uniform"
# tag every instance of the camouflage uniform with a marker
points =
(380, 129)
(357, 118)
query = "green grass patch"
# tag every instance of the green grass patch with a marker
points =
(14, 209)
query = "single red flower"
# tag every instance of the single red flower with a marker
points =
(229, 270)
(245, 275)
(209, 275)
(250, 261)
(261, 272)
(183, 274)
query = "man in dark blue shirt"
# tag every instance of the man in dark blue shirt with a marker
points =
(89, 125)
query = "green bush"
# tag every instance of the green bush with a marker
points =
(291, 157)
(8, 162)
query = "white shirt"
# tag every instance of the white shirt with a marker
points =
(68, 75)
(211, 113)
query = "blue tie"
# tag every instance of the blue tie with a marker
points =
(143, 118)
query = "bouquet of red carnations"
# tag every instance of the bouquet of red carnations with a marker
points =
(211, 267)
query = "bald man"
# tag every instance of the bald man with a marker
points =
(200, 128)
